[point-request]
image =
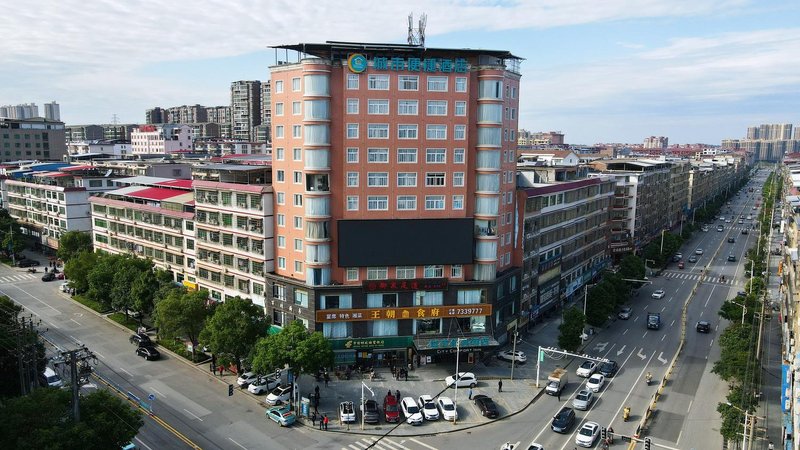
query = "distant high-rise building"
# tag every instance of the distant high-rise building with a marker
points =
(52, 111)
(767, 142)
(245, 108)
(656, 142)
(186, 114)
(20, 112)
(266, 108)
(154, 115)
(219, 114)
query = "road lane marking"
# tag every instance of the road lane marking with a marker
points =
(156, 391)
(672, 323)
(625, 332)
(663, 337)
(660, 359)
(644, 335)
(641, 355)
(129, 374)
(434, 448)
(98, 354)
(34, 297)
(142, 443)
(622, 349)
(198, 418)
(663, 308)
(231, 439)
(79, 324)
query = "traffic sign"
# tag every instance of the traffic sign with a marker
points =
(151, 397)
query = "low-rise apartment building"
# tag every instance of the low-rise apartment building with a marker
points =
(36, 138)
(161, 139)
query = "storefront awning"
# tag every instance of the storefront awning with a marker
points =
(451, 344)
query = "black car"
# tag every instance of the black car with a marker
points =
(49, 276)
(28, 263)
(563, 421)
(609, 368)
(371, 412)
(149, 353)
(732, 258)
(703, 326)
(141, 340)
(731, 239)
(486, 405)
(744, 231)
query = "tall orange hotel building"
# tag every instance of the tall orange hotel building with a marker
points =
(394, 179)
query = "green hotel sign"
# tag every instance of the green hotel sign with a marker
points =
(371, 343)
(357, 63)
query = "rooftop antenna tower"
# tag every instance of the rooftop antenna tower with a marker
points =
(114, 119)
(417, 36)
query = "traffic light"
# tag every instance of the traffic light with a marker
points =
(230, 390)
(646, 443)
(603, 434)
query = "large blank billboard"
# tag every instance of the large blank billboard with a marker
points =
(364, 243)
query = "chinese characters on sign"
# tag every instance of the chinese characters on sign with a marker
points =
(422, 284)
(410, 312)
(357, 64)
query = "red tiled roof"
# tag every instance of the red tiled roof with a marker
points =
(176, 183)
(156, 193)
(52, 174)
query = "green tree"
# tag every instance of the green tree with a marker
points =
(295, 346)
(100, 279)
(570, 331)
(631, 267)
(736, 344)
(77, 270)
(234, 329)
(13, 241)
(72, 243)
(43, 420)
(181, 314)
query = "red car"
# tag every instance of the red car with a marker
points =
(680, 265)
(390, 409)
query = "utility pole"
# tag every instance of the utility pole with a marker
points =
(80, 370)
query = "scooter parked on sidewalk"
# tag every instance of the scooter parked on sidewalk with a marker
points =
(32, 270)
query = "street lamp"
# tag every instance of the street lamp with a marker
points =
(645, 265)
(747, 414)
(744, 309)
(362, 401)
(514, 351)
(456, 378)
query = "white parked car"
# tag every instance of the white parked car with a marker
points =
(428, 407)
(447, 408)
(586, 369)
(347, 414)
(263, 385)
(246, 378)
(596, 382)
(508, 355)
(280, 394)
(659, 294)
(465, 379)
(64, 287)
(587, 434)
(411, 411)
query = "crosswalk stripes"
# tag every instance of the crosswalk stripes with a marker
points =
(383, 444)
(13, 278)
(694, 276)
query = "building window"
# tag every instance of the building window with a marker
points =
(296, 84)
(433, 272)
(380, 107)
(408, 82)
(297, 154)
(279, 131)
(434, 202)
(297, 131)
(460, 132)
(437, 108)
(279, 109)
(377, 203)
(405, 272)
(379, 131)
(279, 153)
(281, 219)
(377, 179)
(458, 156)
(435, 155)
(352, 131)
(281, 262)
(406, 179)
(352, 203)
(298, 267)
(456, 271)
(352, 274)
(298, 199)
(406, 155)
(406, 202)
(352, 155)
(378, 82)
(461, 84)
(280, 176)
(378, 155)
(437, 84)
(296, 108)
(281, 241)
(298, 245)
(461, 108)
(278, 86)
(298, 222)
(352, 106)
(352, 179)
(298, 177)
(436, 131)
(513, 113)
(407, 131)
(434, 179)
(352, 81)
(408, 107)
(377, 273)
(458, 179)
(281, 198)
(513, 92)
(458, 202)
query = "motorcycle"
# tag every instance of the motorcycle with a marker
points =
(32, 270)
(648, 378)
(626, 413)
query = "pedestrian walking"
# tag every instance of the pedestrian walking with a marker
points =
(313, 419)
(500, 386)
(470, 393)
(406, 374)
(398, 394)
(221, 369)
(327, 378)
(326, 422)
(559, 395)
(320, 423)
(213, 369)
(316, 391)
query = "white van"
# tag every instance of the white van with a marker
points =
(50, 378)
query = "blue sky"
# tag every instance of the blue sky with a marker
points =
(697, 71)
